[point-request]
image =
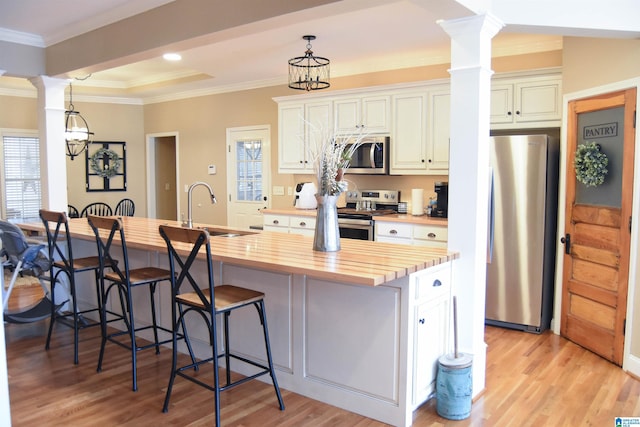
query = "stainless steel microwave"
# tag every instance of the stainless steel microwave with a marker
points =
(371, 157)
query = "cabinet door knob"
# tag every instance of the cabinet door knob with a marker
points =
(431, 235)
(508, 113)
(275, 221)
(518, 113)
(421, 321)
(393, 232)
(437, 283)
(303, 224)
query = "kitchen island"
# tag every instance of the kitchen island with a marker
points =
(360, 328)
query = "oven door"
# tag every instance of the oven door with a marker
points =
(361, 229)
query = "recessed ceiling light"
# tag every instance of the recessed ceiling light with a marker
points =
(172, 56)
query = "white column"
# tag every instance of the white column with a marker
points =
(53, 159)
(469, 177)
(5, 408)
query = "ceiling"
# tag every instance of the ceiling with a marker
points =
(370, 35)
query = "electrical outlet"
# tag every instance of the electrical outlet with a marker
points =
(290, 191)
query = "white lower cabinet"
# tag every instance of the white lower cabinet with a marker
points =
(276, 223)
(393, 232)
(293, 224)
(304, 225)
(430, 235)
(434, 236)
(432, 330)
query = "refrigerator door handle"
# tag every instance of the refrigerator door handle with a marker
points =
(491, 222)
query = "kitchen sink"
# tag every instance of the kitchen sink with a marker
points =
(223, 234)
(213, 232)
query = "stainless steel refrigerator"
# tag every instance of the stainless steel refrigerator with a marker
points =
(522, 231)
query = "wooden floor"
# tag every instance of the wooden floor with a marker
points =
(532, 380)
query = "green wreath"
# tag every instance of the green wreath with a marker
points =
(105, 169)
(590, 164)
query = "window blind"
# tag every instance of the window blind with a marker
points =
(22, 185)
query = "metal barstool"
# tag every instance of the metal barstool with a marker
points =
(60, 250)
(186, 296)
(110, 236)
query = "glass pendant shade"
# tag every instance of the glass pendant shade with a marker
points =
(76, 130)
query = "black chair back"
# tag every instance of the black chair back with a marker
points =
(96, 208)
(72, 212)
(197, 238)
(125, 207)
(56, 228)
(107, 230)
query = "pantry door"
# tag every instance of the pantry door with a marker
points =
(248, 176)
(598, 226)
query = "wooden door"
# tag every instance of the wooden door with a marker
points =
(598, 226)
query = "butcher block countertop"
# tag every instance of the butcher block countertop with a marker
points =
(412, 219)
(358, 262)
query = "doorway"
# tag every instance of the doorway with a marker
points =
(598, 222)
(162, 176)
(248, 175)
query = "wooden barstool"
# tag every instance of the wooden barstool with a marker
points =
(110, 236)
(60, 251)
(187, 296)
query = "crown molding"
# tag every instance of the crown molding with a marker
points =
(193, 93)
(19, 37)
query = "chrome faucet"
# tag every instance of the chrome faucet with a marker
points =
(189, 222)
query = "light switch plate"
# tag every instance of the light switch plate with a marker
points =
(211, 169)
(278, 190)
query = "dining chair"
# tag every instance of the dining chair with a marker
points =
(187, 297)
(125, 207)
(60, 250)
(96, 208)
(72, 212)
(110, 239)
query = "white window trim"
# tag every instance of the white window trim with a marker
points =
(11, 132)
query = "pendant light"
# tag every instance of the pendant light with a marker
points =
(309, 72)
(76, 130)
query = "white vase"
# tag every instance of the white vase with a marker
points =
(327, 232)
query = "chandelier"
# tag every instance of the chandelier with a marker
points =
(76, 130)
(309, 72)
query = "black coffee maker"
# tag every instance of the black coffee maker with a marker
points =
(442, 200)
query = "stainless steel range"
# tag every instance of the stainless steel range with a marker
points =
(357, 219)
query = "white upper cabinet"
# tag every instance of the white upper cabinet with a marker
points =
(299, 126)
(416, 115)
(420, 137)
(369, 114)
(408, 140)
(526, 102)
(438, 144)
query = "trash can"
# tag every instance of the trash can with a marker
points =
(454, 386)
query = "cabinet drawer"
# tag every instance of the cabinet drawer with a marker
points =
(392, 229)
(430, 232)
(276, 220)
(307, 222)
(434, 282)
